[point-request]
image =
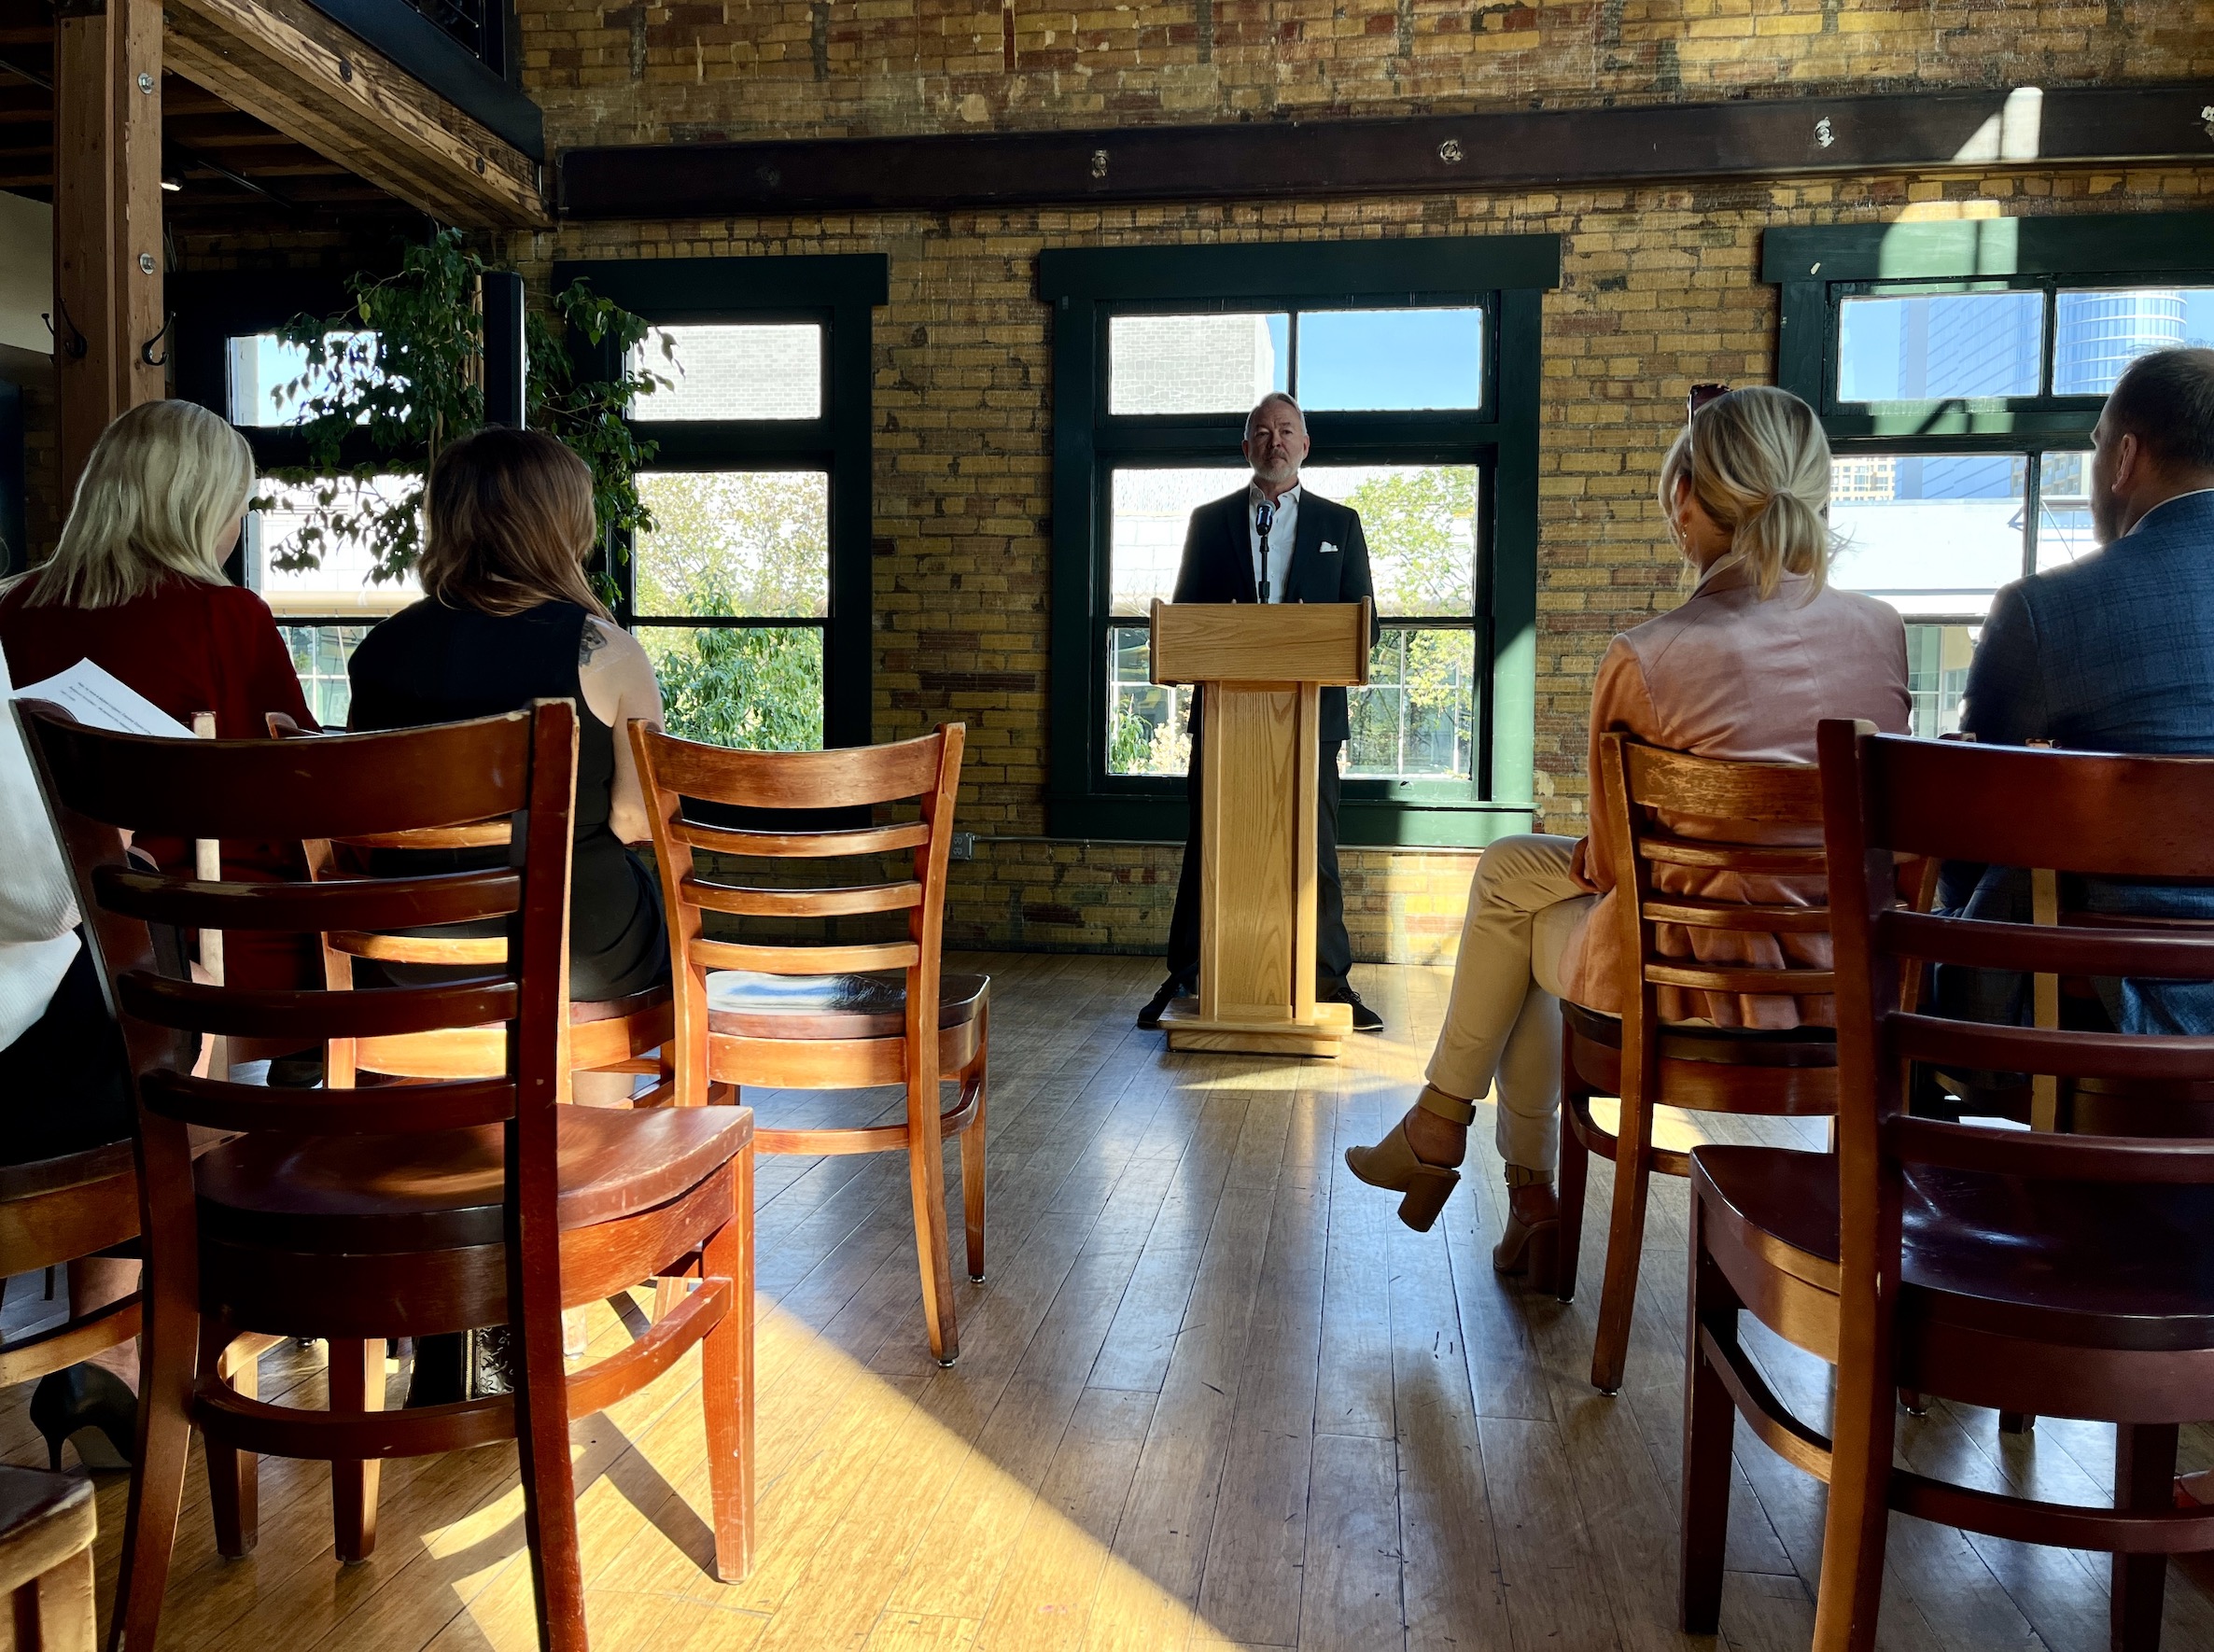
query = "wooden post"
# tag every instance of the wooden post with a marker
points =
(109, 253)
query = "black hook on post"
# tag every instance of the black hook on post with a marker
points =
(75, 345)
(146, 351)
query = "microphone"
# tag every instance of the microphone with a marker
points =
(1264, 518)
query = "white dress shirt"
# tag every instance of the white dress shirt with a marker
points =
(1279, 566)
(37, 910)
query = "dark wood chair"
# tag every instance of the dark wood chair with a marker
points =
(768, 1010)
(357, 1215)
(629, 1035)
(1649, 1063)
(47, 1526)
(53, 1211)
(2026, 1271)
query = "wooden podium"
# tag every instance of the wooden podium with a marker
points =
(1260, 670)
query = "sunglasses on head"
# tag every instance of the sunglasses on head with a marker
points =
(1702, 394)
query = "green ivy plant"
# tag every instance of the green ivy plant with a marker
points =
(398, 374)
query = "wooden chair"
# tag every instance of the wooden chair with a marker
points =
(1704, 1068)
(53, 1211)
(766, 1011)
(629, 1035)
(2026, 1271)
(47, 1526)
(357, 1215)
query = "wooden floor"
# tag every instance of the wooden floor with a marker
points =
(1214, 1395)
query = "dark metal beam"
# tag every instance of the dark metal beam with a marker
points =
(1443, 154)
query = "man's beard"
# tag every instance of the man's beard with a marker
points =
(1281, 472)
(2106, 517)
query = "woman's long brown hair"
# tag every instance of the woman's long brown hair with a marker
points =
(511, 524)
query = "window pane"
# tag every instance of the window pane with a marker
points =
(1145, 540)
(320, 656)
(1420, 522)
(724, 371)
(1145, 723)
(1912, 349)
(758, 687)
(2098, 333)
(262, 373)
(341, 581)
(2064, 510)
(1929, 534)
(1180, 364)
(1937, 676)
(1416, 718)
(1391, 358)
(752, 543)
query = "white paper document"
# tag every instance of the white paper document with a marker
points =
(101, 700)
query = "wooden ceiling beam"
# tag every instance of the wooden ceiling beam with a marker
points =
(1443, 154)
(289, 66)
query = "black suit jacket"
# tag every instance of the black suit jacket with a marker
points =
(1218, 564)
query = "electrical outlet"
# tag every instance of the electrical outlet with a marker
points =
(964, 846)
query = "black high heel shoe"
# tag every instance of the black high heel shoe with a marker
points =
(91, 1401)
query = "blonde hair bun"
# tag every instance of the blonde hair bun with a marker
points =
(1758, 465)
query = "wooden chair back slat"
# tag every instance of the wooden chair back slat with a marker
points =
(312, 1017)
(486, 834)
(857, 959)
(1694, 912)
(458, 897)
(222, 1105)
(273, 790)
(817, 846)
(1786, 794)
(2115, 946)
(2129, 817)
(1723, 857)
(854, 776)
(419, 949)
(851, 901)
(1737, 978)
(2069, 811)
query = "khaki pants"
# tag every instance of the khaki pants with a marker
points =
(1502, 1029)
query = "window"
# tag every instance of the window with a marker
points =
(324, 611)
(1958, 368)
(1416, 363)
(751, 591)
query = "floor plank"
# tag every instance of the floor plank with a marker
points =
(1212, 1395)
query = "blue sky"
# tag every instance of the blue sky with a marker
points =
(1871, 342)
(1384, 358)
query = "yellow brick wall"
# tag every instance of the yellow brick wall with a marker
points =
(1660, 290)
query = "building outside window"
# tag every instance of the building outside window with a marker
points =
(1959, 368)
(1416, 365)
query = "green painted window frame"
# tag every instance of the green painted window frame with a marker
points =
(1506, 276)
(1818, 268)
(841, 291)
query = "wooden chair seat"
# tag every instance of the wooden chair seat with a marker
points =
(413, 1193)
(1726, 1046)
(742, 1004)
(72, 1170)
(47, 1526)
(2098, 1265)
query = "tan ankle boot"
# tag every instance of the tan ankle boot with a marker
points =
(1532, 1242)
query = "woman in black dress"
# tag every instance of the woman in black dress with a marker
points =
(507, 618)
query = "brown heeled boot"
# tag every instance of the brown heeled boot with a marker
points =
(1394, 1165)
(1532, 1242)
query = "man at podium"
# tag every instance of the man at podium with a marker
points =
(1274, 541)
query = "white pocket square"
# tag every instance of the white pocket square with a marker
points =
(1328, 549)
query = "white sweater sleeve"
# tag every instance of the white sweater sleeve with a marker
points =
(38, 911)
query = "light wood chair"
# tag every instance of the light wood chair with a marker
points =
(47, 1526)
(353, 1214)
(2028, 1271)
(628, 1035)
(1702, 1068)
(774, 1011)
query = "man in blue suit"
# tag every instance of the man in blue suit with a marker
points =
(2114, 652)
(1274, 541)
